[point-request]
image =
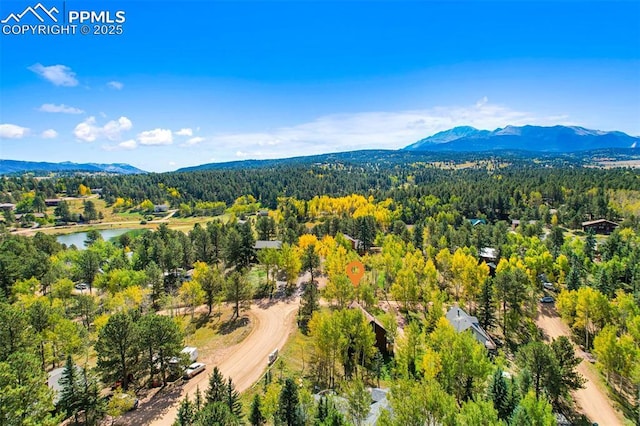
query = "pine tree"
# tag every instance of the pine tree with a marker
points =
(186, 413)
(288, 404)
(233, 399)
(486, 308)
(499, 394)
(198, 399)
(590, 244)
(70, 401)
(256, 417)
(92, 402)
(217, 388)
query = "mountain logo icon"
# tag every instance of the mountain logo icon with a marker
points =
(39, 11)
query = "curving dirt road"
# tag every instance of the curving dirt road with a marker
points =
(244, 362)
(593, 401)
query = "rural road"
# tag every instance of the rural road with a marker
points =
(592, 400)
(244, 362)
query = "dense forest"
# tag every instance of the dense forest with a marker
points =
(489, 237)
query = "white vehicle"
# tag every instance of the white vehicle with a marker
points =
(549, 286)
(194, 369)
(273, 356)
(191, 352)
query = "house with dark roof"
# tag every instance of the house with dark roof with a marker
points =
(600, 226)
(461, 321)
(378, 330)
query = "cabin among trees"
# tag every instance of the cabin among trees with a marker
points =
(462, 321)
(600, 226)
(378, 330)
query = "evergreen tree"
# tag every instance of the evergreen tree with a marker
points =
(247, 243)
(310, 260)
(239, 291)
(288, 404)
(566, 378)
(186, 413)
(590, 244)
(89, 212)
(499, 394)
(256, 417)
(418, 236)
(71, 392)
(217, 387)
(216, 414)
(366, 232)
(118, 349)
(486, 307)
(62, 211)
(233, 399)
(93, 403)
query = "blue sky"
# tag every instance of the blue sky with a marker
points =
(195, 82)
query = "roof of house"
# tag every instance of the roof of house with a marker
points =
(263, 244)
(599, 221)
(489, 253)
(477, 221)
(367, 315)
(462, 321)
(379, 402)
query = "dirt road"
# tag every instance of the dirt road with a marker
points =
(592, 400)
(244, 362)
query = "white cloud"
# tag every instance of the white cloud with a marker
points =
(366, 130)
(156, 137)
(59, 75)
(115, 85)
(89, 131)
(12, 131)
(128, 144)
(194, 141)
(49, 134)
(60, 108)
(185, 132)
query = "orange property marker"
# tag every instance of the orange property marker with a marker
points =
(355, 271)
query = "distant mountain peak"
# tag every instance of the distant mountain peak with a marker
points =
(528, 138)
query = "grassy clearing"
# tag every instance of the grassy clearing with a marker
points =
(208, 333)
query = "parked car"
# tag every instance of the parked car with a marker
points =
(194, 369)
(547, 299)
(549, 286)
(273, 356)
(81, 286)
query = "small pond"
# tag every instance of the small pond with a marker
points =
(78, 238)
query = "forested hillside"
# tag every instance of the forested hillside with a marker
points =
(501, 241)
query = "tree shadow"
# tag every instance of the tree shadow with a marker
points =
(155, 407)
(230, 326)
(203, 319)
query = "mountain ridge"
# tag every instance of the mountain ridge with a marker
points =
(18, 166)
(561, 139)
